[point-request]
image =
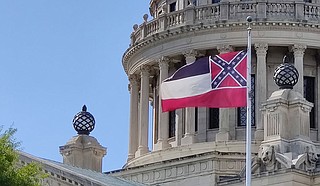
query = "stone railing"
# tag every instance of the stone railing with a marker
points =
(229, 12)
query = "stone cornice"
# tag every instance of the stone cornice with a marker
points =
(164, 36)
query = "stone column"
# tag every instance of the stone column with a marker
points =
(144, 112)
(261, 86)
(133, 129)
(189, 136)
(179, 122)
(226, 120)
(163, 124)
(155, 105)
(317, 95)
(298, 51)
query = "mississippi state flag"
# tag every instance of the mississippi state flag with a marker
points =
(215, 81)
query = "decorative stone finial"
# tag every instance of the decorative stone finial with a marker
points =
(135, 27)
(286, 75)
(145, 17)
(83, 122)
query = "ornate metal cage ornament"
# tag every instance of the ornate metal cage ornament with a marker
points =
(286, 75)
(83, 122)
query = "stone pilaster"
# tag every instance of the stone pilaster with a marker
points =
(298, 51)
(163, 127)
(133, 128)
(144, 112)
(225, 114)
(261, 86)
(189, 136)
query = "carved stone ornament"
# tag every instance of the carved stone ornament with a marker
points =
(224, 48)
(261, 48)
(164, 63)
(190, 53)
(267, 155)
(308, 160)
(271, 160)
(133, 79)
(145, 70)
(298, 49)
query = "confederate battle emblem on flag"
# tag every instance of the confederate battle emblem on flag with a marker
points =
(228, 70)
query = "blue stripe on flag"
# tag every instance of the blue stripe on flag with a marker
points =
(199, 67)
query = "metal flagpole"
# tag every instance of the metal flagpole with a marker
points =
(249, 97)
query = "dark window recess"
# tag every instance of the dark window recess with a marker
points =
(308, 1)
(242, 111)
(215, 1)
(173, 7)
(213, 118)
(196, 119)
(192, 2)
(172, 124)
(309, 94)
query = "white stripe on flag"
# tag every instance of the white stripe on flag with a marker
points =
(186, 87)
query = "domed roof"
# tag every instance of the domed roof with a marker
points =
(83, 122)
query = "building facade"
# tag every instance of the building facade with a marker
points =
(206, 146)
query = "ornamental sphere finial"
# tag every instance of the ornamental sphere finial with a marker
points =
(286, 75)
(83, 122)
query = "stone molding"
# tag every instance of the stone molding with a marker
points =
(216, 29)
(187, 167)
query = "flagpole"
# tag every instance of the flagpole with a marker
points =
(249, 97)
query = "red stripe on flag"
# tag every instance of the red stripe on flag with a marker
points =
(221, 98)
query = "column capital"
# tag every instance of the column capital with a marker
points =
(164, 62)
(133, 79)
(298, 49)
(190, 53)
(224, 48)
(261, 48)
(145, 70)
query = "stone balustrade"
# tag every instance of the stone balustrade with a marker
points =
(229, 12)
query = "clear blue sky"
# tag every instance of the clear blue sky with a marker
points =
(56, 56)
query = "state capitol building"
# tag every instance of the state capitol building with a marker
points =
(206, 146)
